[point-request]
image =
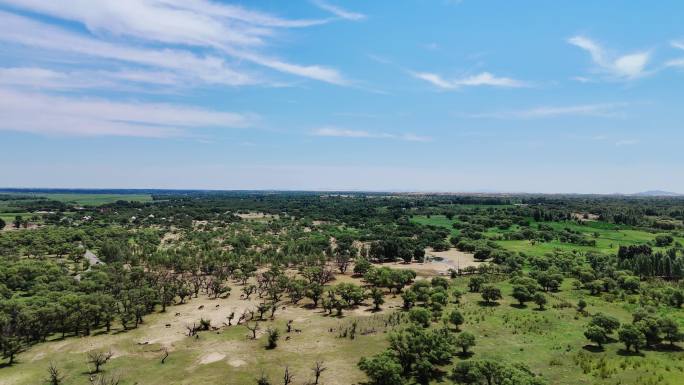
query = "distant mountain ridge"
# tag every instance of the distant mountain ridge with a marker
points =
(657, 193)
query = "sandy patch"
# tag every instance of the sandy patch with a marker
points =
(212, 357)
(177, 317)
(440, 262)
(585, 217)
(256, 215)
(236, 363)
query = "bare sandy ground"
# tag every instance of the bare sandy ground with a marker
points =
(440, 262)
(168, 331)
(255, 215)
(589, 217)
(212, 357)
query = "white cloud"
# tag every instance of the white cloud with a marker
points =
(627, 66)
(48, 79)
(346, 133)
(337, 11)
(207, 69)
(481, 79)
(155, 29)
(325, 74)
(676, 62)
(196, 22)
(626, 142)
(53, 115)
(598, 110)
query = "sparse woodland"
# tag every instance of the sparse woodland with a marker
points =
(330, 289)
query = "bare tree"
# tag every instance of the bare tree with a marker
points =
(55, 376)
(99, 358)
(252, 329)
(274, 307)
(192, 329)
(287, 377)
(263, 380)
(318, 369)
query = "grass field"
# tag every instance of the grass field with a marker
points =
(9, 217)
(608, 237)
(92, 199)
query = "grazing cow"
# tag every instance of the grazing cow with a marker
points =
(168, 325)
(201, 307)
(177, 314)
(218, 305)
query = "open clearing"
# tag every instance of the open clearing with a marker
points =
(217, 354)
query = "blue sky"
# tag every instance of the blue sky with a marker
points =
(412, 95)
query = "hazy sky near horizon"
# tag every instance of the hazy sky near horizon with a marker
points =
(442, 95)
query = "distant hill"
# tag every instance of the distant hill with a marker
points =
(657, 193)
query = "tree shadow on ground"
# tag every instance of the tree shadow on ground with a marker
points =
(593, 348)
(488, 304)
(629, 353)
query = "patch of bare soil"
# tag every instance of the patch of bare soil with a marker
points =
(255, 215)
(440, 262)
(212, 357)
(236, 363)
(174, 327)
(585, 217)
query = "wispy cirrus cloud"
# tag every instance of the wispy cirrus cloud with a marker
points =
(676, 62)
(347, 133)
(338, 11)
(59, 115)
(597, 110)
(481, 79)
(46, 79)
(629, 66)
(158, 32)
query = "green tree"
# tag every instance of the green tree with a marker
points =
(540, 300)
(631, 336)
(273, 335)
(596, 334)
(465, 341)
(382, 369)
(475, 284)
(314, 292)
(456, 318)
(410, 297)
(377, 296)
(605, 322)
(420, 316)
(522, 294)
(361, 266)
(491, 294)
(581, 305)
(670, 329)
